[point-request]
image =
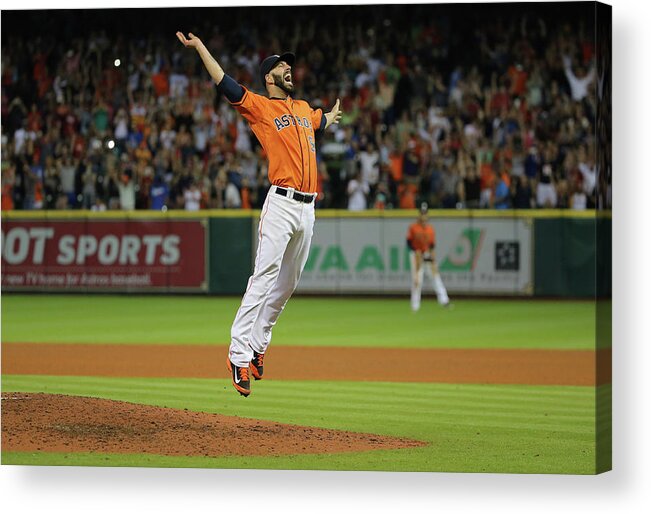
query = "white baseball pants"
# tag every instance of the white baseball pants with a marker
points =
(284, 237)
(417, 277)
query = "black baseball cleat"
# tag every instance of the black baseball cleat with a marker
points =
(256, 366)
(240, 378)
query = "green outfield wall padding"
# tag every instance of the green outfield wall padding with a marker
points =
(567, 255)
(230, 254)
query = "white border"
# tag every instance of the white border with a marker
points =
(626, 489)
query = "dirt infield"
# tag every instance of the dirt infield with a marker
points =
(528, 367)
(58, 423)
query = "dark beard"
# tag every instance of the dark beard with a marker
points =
(280, 82)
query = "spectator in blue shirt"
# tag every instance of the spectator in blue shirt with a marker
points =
(532, 164)
(502, 193)
(159, 194)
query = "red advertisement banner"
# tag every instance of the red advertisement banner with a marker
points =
(104, 255)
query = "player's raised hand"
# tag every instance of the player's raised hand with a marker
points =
(336, 112)
(334, 115)
(192, 42)
(209, 62)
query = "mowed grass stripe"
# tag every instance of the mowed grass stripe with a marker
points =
(335, 392)
(306, 321)
(280, 402)
(528, 397)
(392, 424)
(506, 393)
(451, 417)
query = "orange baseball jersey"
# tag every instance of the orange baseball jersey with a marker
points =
(421, 238)
(285, 129)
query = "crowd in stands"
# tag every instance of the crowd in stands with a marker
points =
(456, 110)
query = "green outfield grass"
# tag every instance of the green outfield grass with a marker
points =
(306, 321)
(519, 429)
(484, 428)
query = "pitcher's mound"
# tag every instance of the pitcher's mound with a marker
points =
(58, 423)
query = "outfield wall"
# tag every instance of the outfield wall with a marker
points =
(526, 253)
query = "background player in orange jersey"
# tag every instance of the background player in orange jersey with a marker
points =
(421, 239)
(285, 128)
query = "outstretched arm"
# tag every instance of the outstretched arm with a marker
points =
(231, 89)
(213, 67)
(567, 67)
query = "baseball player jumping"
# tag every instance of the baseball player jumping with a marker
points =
(285, 128)
(421, 240)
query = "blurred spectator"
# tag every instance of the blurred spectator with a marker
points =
(127, 190)
(578, 200)
(381, 197)
(588, 171)
(471, 190)
(178, 84)
(121, 130)
(89, 189)
(502, 192)
(487, 181)
(232, 198)
(112, 192)
(7, 188)
(245, 193)
(67, 174)
(579, 82)
(369, 160)
(545, 191)
(563, 200)
(532, 164)
(521, 192)
(98, 206)
(159, 194)
(407, 195)
(51, 184)
(219, 186)
(192, 198)
(450, 183)
(358, 191)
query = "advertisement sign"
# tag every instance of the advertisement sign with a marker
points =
(112, 255)
(370, 255)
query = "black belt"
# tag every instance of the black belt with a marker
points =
(299, 197)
